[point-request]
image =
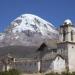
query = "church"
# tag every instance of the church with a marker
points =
(58, 59)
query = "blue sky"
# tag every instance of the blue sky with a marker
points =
(54, 11)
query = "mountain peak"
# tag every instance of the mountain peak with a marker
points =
(32, 23)
(32, 17)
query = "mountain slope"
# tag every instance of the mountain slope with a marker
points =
(29, 30)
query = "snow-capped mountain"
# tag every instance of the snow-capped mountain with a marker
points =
(29, 29)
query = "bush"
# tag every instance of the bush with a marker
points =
(10, 72)
(73, 73)
(14, 72)
(52, 73)
(63, 73)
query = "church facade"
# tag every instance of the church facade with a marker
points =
(55, 60)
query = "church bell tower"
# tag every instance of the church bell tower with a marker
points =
(67, 32)
(66, 45)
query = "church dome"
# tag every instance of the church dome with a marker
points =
(67, 22)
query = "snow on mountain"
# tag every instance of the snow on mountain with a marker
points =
(2, 35)
(31, 23)
(29, 29)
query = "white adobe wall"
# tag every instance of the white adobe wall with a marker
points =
(59, 64)
(73, 34)
(68, 35)
(27, 67)
(47, 66)
(33, 67)
(71, 57)
(39, 65)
